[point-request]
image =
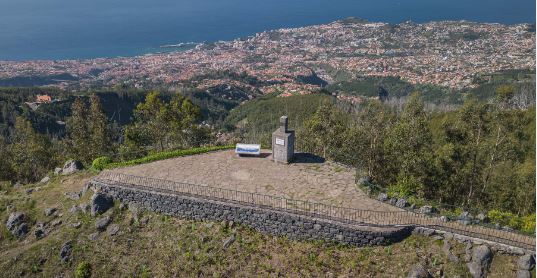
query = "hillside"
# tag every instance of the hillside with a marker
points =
(257, 119)
(144, 244)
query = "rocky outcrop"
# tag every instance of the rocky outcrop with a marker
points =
(401, 203)
(383, 197)
(465, 218)
(525, 264)
(100, 203)
(39, 231)
(71, 167)
(427, 210)
(481, 259)
(16, 224)
(102, 223)
(50, 211)
(418, 271)
(113, 229)
(65, 251)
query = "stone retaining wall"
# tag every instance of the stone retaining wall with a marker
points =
(264, 220)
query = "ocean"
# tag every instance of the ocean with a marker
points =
(78, 29)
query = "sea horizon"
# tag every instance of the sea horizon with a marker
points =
(108, 30)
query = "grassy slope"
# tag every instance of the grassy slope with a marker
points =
(168, 246)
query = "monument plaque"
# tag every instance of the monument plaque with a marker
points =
(283, 142)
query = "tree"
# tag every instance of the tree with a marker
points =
(162, 125)
(323, 132)
(78, 132)
(6, 171)
(182, 116)
(409, 148)
(368, 134)
(150, 126)
(31, 152)
(99, 129)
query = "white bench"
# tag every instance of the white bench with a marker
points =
(247, 149)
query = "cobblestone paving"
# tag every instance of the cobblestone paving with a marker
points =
(309, 178)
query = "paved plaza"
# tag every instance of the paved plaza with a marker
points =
(308, 178)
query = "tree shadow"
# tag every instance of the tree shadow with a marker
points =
(307, 158)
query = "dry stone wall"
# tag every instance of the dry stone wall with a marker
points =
(265, 220)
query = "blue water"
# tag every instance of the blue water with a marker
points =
(73, 29)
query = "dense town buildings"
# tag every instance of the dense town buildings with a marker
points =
(443, 53)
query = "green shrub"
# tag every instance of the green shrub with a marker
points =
(528, 223)
(405, 186)
(83, 270)
(100, 162)
(525, 223)
(500, 217)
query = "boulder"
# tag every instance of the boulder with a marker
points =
(102, 223)
(526, 262)
(50, 211)
(365, 181)
(65, 251)
(58, 171)
(523, 273)
(482, 255)
(444, 218)
(16, 224)
(418, 271)
(383, 197)
(45, 179)
(465, 216)
(77, 225)
(392, 201)
(39, 231)
(468, 252)
(100, 203)
(482, 217)
(20, 230)
(93, 236)
(427, 210)
(475, 270)
(56, 222)
(481, 259)
(72, 166)
(113, 229)
(401, 203)
(229, 241)
(15, 219)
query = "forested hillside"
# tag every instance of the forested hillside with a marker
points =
(477, 155)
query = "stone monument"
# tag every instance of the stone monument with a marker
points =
(283, 142)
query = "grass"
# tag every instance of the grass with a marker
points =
(168, 246)
(165, 155)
